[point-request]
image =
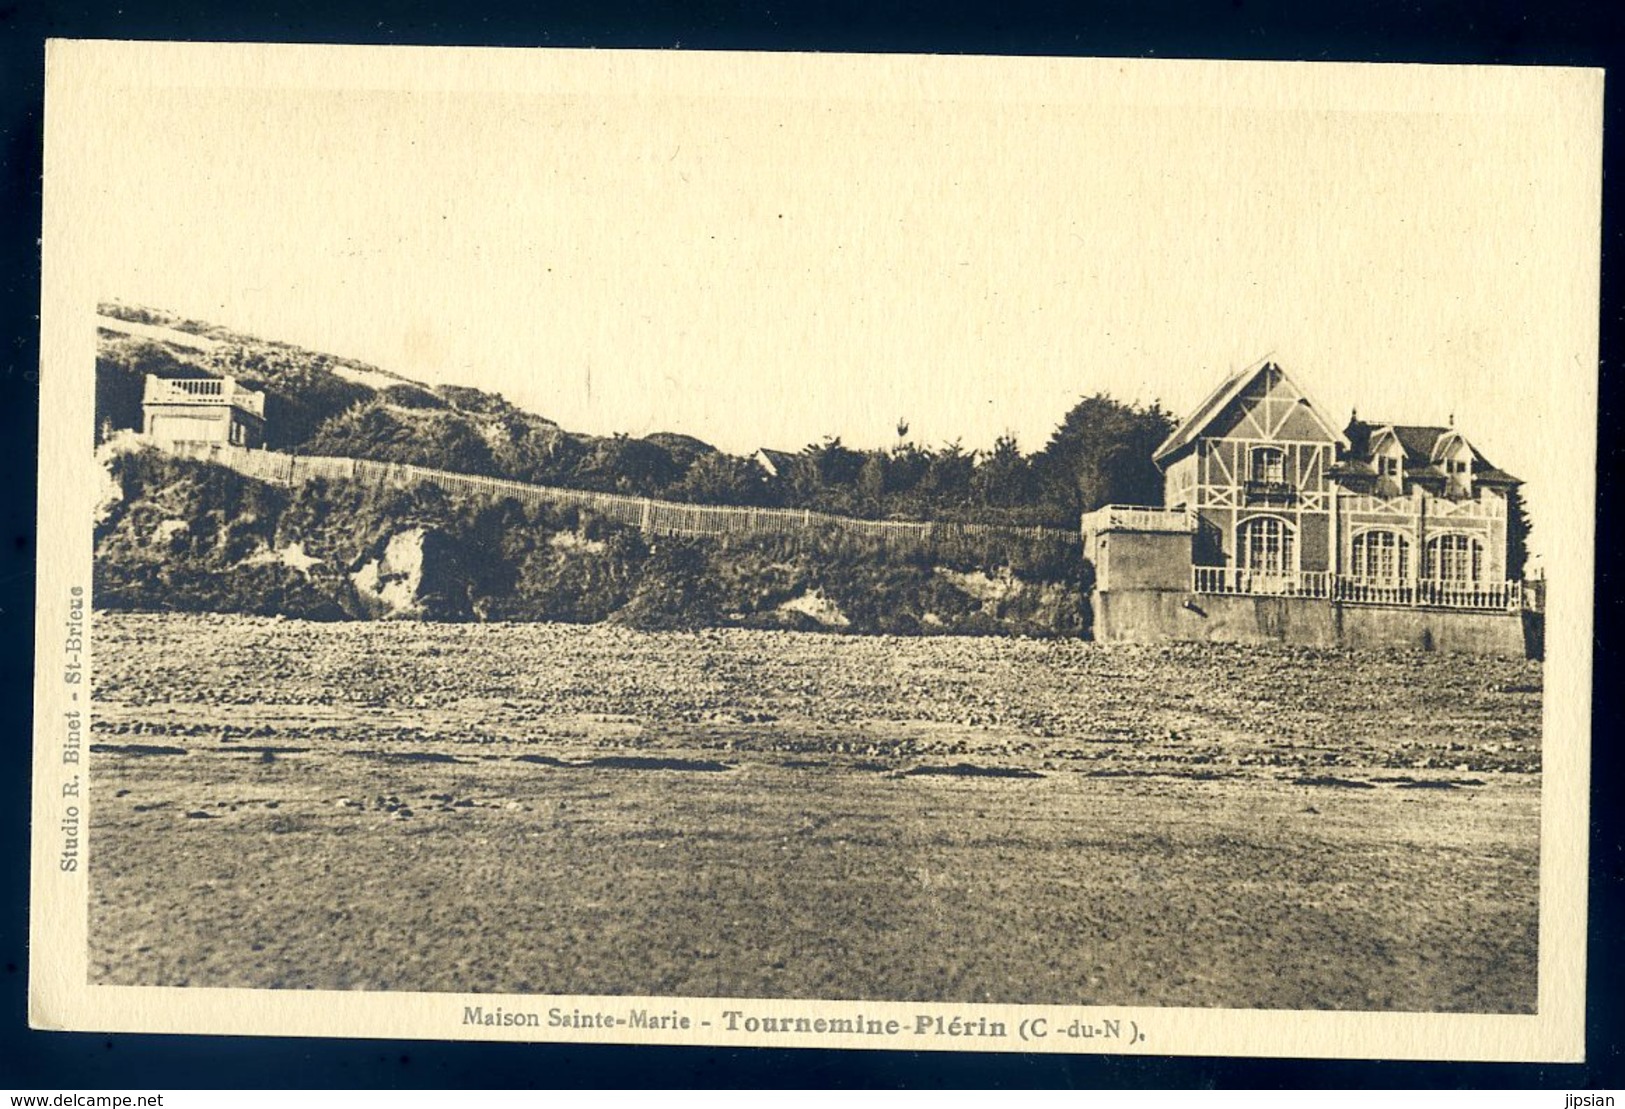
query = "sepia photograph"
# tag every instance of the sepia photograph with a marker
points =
(947, 553)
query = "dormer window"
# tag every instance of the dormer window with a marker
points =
(1390, 465)
(1458, 467)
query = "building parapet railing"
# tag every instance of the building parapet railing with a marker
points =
(1125, 517)
(1432, 506)
(1225, 580)
(1490, 595)
(1493, 596)
(202, 390)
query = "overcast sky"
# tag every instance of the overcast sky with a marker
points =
(763, 251)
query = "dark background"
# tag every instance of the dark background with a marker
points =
(1556, 32)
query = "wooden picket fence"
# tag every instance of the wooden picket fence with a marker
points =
(653, 517)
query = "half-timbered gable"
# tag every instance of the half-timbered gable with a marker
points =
(1253, 463)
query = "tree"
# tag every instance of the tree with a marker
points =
(1003, 478)
(872, 480)
(436, 440)
(948, 477)
(1101, 454)
(1518, 528)
(621, 464)
(906, 468)
(719, 478)
(825, 475)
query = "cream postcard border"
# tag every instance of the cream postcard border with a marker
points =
(60, 998)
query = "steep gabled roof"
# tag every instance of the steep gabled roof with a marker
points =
(1220, 398)
(1422, 444)
(776, 463)
(1352, 467)
(1488, 473)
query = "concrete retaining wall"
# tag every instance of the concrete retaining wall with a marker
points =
(1471, 633)
(1152, 616)
(1139, 560)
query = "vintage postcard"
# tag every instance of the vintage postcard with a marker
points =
(930, 553)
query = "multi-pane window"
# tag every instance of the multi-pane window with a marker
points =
(1267, 545)
(1269, 465)
(1382, 556)
(1388, 465)
(1457, 558)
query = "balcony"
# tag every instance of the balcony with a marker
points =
(1270, 492)
(1502, 596)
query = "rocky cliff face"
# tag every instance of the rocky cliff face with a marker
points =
(181, 535)
(417, 575)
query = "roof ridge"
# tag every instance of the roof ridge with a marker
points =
(1226, 392)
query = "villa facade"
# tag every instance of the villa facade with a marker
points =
(1266, 497)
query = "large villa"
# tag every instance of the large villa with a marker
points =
(1266, 499)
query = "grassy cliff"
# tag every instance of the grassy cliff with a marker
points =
(322, 404)
(318, 403)
(188, 536)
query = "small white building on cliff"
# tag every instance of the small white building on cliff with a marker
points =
(202, 410)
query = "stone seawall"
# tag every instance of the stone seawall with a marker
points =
(1151, 616)
(1473, 633)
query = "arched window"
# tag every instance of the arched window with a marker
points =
(1381, 556)
(1453, 558)
(1266, 544)
(1269, 465)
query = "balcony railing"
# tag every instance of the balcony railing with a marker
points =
(1123, 517)
(1492, 595)
(202, 390)
(1225, 580)
(1271, 492)
(1500, 596)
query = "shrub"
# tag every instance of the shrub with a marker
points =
(198, 537)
